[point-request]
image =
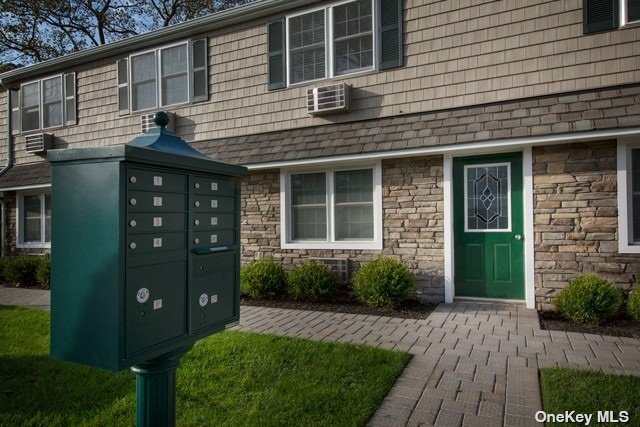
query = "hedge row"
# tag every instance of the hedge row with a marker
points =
(383, 282)
(26, 271)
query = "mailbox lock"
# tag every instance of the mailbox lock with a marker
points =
(196, 222)
(133, 223)
(196, 241)
(133, 202)
(197, 204)
(133, 179)
(132, 245)
(197, 185)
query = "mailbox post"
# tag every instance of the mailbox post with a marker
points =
(145, 258)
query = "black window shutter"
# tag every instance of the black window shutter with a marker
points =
(390, 34)
(70, 99)
(123, 86)
(276, 57)
(599, 15)
(200, 76)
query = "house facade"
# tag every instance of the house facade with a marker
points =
(492, 146)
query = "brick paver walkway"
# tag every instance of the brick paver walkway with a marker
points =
(474, 364)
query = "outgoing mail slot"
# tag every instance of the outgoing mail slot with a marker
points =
(213, 186)
(155, 222)
(213, 263)
(139, 201)
(212, 220)
(214, 204)
(154, 180)
(141, 243)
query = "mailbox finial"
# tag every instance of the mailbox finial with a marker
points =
(161, 119)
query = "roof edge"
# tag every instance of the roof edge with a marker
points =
(240, 14)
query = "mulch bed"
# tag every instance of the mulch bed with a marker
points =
(409, 309)
(619, 327)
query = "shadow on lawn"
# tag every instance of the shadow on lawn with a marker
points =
(40, 388)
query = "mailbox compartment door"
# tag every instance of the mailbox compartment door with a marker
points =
(155, 305)
(213, 291)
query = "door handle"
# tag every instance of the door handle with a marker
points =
(518, 237)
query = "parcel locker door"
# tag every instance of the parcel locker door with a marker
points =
(213, 291)
(155, 305)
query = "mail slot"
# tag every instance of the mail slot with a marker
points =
(128, 282)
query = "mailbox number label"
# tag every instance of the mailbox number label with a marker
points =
(142, 295)
(157, 181)
(157, 221)
(214, 203)
(214, 186)
(157, 304)
(214, 299)
(214, 220)
(157, 201)
(157, 242)
(204, 299)
(214, 238)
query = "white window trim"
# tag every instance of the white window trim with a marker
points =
(623, 16)
(20, 243)
(63, 110)
(625, 217)
(158, 78)
(285, 209)
(329, 72)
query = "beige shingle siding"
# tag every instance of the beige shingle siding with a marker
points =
(457, 53)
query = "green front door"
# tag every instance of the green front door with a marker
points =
(488, 230)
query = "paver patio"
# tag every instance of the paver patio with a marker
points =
(473, 364)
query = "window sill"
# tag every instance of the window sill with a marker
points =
(333, 245)
(633, 24)
(33, 245)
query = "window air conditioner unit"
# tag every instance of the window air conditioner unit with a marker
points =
(146, 122)
(328, 99)
(38, 142)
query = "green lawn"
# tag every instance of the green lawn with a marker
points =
(231, 378)
(589, 392)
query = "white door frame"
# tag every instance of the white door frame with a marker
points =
(527, 184)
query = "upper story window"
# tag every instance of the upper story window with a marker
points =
(332, 41)
(163, 77)
(44, 104)
(339, 39)
(602, 15)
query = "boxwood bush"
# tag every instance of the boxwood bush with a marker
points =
(633, 303)
(262, 277)
(383, 282)
(312, 280)
(21, 270)
(588, 299)
(43, 272)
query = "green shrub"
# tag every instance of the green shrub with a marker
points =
(588, 299)
(383, 282)
(43, 272)
(21, 270)
(633, 303)
(312, 280)
(262, 277)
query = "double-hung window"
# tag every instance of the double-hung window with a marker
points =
(332, 41)
(629, 12)
(604, 15)
(34, 220)
(44, 104)
(629, 196)
(163, 77)
(337, 208)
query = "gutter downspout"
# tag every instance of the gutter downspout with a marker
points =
(5, 168)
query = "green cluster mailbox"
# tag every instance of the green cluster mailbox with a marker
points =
(145, 250)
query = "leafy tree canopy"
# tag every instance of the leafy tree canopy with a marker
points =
(37, 30)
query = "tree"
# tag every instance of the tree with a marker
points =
(37, 30)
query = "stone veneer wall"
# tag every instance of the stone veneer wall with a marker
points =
(575, 217)
(413, 211)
